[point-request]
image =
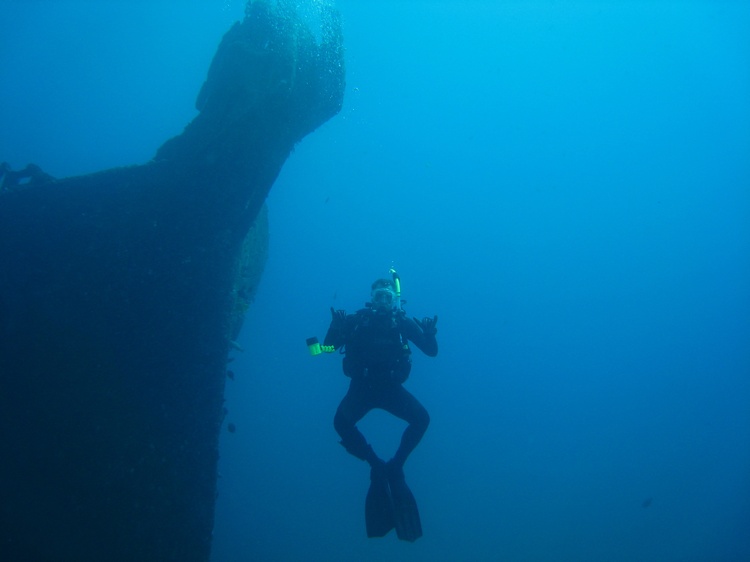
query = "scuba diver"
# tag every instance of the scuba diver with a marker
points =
(377, 358)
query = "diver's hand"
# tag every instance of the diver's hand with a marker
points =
(428, 325)
(338, 318)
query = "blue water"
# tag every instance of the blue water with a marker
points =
(565, 184)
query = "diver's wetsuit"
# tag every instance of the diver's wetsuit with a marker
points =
(378, 362)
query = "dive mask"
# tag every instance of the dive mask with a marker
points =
(383, 298)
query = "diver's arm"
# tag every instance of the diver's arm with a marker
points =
(422, 333)
(336, 335)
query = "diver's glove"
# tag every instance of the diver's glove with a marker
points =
(428, 325)
(338, 319)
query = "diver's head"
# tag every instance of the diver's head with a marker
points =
(383, 295)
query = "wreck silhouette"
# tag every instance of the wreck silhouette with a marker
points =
(120, 294)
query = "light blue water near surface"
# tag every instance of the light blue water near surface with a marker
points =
(566, 184)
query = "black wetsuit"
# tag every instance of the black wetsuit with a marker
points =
(378, 360)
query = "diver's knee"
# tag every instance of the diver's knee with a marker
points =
(422, 421)
(341, 424)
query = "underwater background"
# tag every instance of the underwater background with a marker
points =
(565, 184)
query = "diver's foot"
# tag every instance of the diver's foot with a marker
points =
(405, 512)
(379, 512)
(394, 470)
(378, 471)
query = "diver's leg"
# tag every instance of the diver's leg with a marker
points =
(402, 404)
(379, 508)
(353, 408)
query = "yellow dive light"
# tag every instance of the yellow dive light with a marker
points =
(316, 349)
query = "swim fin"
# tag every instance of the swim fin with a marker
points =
(379, 516)
(405, 511)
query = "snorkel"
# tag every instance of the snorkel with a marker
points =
(397, 286)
